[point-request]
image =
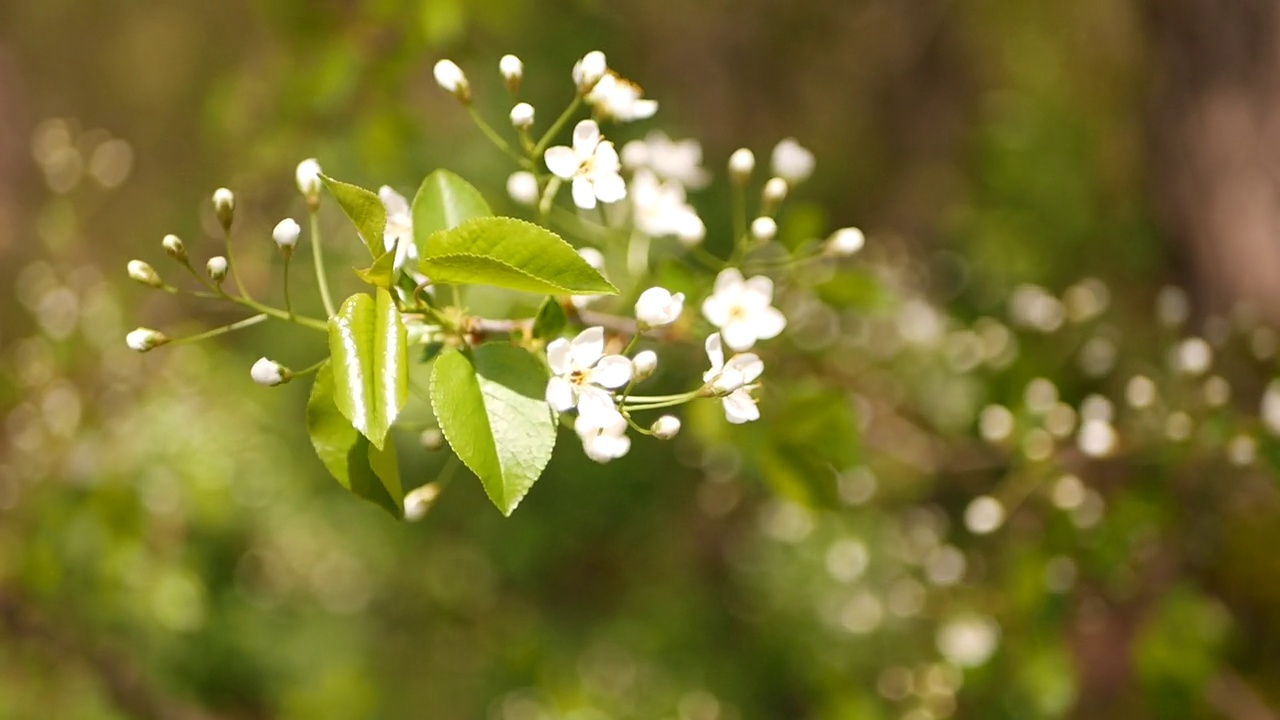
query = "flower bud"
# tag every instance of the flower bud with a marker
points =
(286, 235)
(741, 164)
(657, 306)
(450, 77)
(522, 116)
(269, 372)
(775, 191)
(522, 186)
(420, 500)
(224, 206)
(764, 229)
(643, 365)
(588, 71)
(512, 72)
(845, 242)
(141, 272)
(308, 177)
(432, 439)
(172, 245)
(144, 339)
(791, 161)
(217, 269)
(665, 427)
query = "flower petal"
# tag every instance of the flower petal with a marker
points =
(613, 371)
(560, 394)
(740, 407)
(728, 278)
(739, 334)
(768, 322)
(596, 408)
(715, 353)
(748, 365)
(758, 292)
(606, 159)
(609, 187)
(716, 310)
(587, 348)
(562, 161)
(584, 194)
(558, 356)
(642, 109)
(586, 136)
(393, 202)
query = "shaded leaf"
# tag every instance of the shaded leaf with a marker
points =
(491, 408)
(353, 461)
(443, 202)
(364, 209)
(367, 347)
(382, 272)
(550, 320)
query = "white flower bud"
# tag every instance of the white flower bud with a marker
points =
(217, 269)
(308, 177)
(431, 439)
(845, 242)
(450, 77)
(764, 229)
(522, 116)
(269, 372)
(657, 306)
(172, 245)
(144, 273)
(144, 339)
(775, 191)
(512, 72)
(522, 186)
(286, 235)
(588, 71)
(643, 365)
(741, 164)
(665, 427)
(224, 206)
(420, 500)
(791, 161)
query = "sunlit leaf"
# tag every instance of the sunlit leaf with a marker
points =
(367, 347)
(364, 209)
(443, 202)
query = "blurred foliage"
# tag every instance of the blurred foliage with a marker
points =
(169, 547)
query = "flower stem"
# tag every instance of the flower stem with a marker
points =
(231, 263)
(498, 140)
(555, 128)
(288, 304)
(318, 255)
(239, 324)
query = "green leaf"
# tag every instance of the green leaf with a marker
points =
(382, 272)
(512, 254)
(367, 347)
(550, 319)
(492, 410)
(364, 209)
(444, 201)
(353, 461)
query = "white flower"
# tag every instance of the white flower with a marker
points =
(172, 245)
(604, 437)
(398, 233)
(665, 427)
(643, 365)
(217, 268)
(741, 164)
(144, 273)
(845, 241)
(286, 234)
(588, 71)
(308, 177)
(512, 70)
(269, 372)
(522, 186)
(791, 161)
(591, 164)
(764, 229)
(450, 77)
(522, 116)
(661, 210)
(144, 339)
(657, 306)
(620, 99)
(420, 500)
(732, 380)
(1270, 407)
(582, 374)
(224, 206)
(742, 310)
(679, 160)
